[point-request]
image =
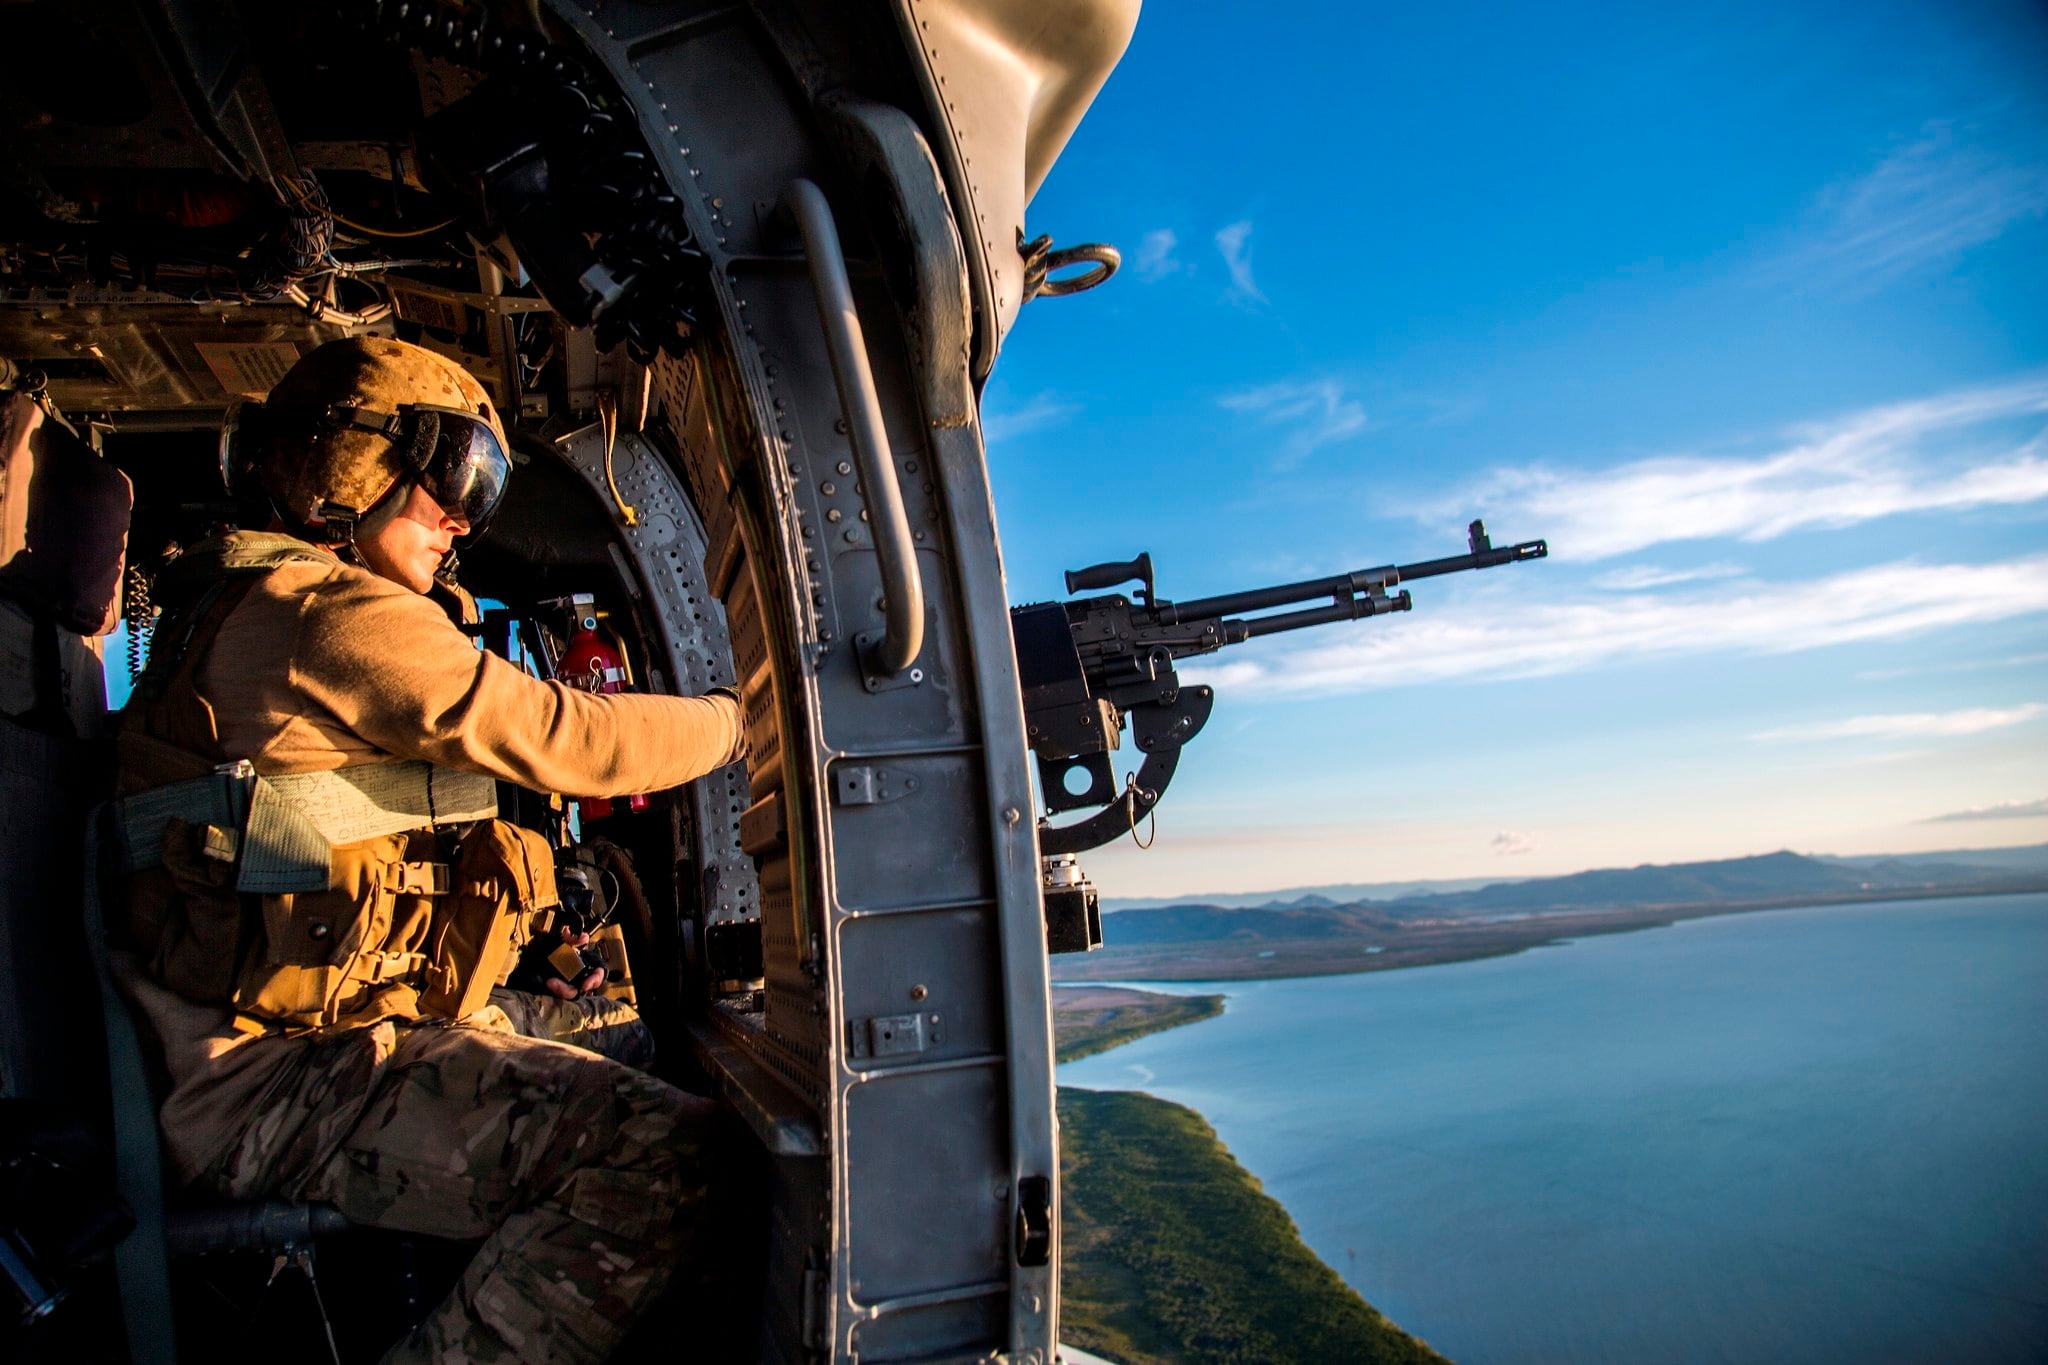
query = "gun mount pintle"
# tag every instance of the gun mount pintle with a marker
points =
(1091, 666)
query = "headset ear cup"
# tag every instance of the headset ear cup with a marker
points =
(244, 433)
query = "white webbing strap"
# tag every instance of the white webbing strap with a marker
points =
(219, 798)
(370, 799)
(290, 822)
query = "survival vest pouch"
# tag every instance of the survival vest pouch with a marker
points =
(323, 955)
(395, 933)
(504, 882)
(298, 898)
(304, 959)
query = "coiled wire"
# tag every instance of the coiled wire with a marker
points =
(139, 614)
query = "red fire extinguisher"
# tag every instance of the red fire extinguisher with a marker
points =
(591, 662)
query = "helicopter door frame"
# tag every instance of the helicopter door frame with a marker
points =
(905, 996)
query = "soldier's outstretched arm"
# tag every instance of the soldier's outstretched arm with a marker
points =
(392, 668)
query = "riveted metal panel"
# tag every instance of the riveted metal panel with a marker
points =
(932, 1331)
(908, 962)
(950, 1180)
(923, 848)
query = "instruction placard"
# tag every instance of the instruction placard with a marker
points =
(248, 368)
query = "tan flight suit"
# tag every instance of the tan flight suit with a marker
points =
(586, 1175)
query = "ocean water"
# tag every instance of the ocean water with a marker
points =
(1802, 1135)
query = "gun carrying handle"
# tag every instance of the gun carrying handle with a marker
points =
(903, 593)
(1109, 575)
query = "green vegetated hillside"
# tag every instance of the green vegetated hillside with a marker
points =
(1173, 1252)
(1123, 1016)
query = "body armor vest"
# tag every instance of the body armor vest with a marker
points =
(401, 928)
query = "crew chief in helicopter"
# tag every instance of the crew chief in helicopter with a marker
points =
(320, 981)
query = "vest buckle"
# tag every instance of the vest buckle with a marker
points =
(417, 879)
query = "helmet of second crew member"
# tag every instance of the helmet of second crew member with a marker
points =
(358, 420)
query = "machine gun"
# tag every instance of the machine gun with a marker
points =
(1091, 666)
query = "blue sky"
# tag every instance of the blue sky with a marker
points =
(1745, 310)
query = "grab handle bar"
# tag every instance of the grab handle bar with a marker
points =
(902, 592)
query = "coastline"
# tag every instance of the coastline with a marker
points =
(1714, 1078)
(1428, 942)
(1090, 1019)
(1171, 1250)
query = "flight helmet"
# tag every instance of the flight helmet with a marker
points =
(358, 421)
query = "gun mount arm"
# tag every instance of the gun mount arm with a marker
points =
(1160, 731)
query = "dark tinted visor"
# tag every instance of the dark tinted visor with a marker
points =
(463, 467)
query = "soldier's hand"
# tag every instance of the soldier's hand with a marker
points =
(565, 968)
(563, 987)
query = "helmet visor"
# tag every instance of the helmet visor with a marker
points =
(460, 463)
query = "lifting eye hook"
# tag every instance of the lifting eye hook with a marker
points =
(1040, 260)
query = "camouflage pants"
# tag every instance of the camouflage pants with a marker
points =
(592, 1022)
(587, 1175)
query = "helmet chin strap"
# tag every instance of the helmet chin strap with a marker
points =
(340, 523)
(337, 529)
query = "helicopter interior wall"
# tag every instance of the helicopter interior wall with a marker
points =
(912, 1192)
(549, 537)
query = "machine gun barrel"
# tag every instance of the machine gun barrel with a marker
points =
(1263, 599)
(1347, 587)
(1483, 559)
(1356, 609)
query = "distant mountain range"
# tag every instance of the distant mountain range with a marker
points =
(2026, 858)
(1771, 878)
(1341, 893)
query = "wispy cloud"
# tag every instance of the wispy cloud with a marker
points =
(1506, 636)
(1510, 844)
(1235, 242)
(1911, 724)
(1640, 577)
(1968, 448)
(1951, 666)
(1314, 413)
(1922, 206)
(2004, 810)
(1155, 259)
(1042, 411)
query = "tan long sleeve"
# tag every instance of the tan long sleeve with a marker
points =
(322, 667)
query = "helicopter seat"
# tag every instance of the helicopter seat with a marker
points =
(64, 526)
(136, 1084)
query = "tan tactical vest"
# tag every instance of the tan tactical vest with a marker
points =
(398, 931)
